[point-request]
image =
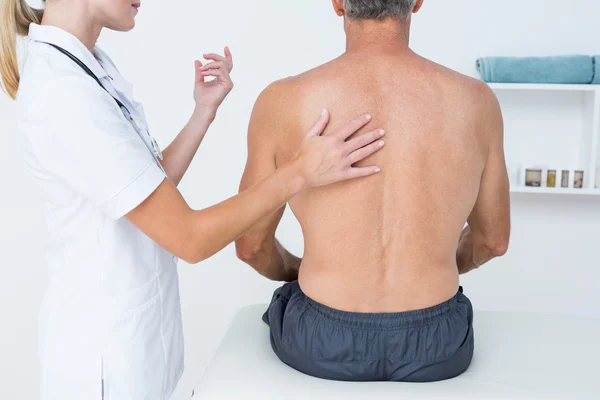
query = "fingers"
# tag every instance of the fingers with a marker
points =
(353, 127)
(216, 69)
(198, 72)
(354, 173)
(227, 60)
(363, 140)
(222, 77)
(213, 65)
(319, 126)
(214, 57)
(365, 152)
(212, 72)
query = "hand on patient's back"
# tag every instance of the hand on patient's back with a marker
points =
(211, 94)
(328, 158)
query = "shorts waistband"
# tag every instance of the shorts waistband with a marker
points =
(405, 319)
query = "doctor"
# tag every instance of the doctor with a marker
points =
(110, 323)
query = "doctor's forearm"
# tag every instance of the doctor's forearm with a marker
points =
(178, 156)
(218, 226)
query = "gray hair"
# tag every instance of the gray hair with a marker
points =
(379, 9)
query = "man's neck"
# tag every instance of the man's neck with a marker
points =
(377, 37)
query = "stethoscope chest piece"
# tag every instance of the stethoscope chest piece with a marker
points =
(153, 145)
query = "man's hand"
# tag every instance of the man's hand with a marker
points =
(290, 264)
(464, 254)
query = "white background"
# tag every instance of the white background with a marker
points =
(552, 266)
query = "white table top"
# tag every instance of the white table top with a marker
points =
(517, 356)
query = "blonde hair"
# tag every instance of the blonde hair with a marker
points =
(15, 17)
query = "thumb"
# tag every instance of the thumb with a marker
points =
(319, 126)
(229, 58)
(199, 77)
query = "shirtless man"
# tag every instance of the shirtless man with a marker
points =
(376, 296)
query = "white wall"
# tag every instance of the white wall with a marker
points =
(553, 262)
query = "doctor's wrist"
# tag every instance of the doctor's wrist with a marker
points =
(204, 114)
(295, 177)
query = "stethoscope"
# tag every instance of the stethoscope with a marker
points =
(152, 146)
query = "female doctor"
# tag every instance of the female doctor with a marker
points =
(110, 323)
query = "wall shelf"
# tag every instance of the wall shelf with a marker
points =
(551, 126)
(561, 191)
(546, 87)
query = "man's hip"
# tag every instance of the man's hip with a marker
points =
(426, 345)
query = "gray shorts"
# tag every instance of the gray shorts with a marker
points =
(416, 346)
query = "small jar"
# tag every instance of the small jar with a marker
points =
(551, 180)
(565, 179)
(533, 177)
(578, 182)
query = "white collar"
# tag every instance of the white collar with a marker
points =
(58, 37)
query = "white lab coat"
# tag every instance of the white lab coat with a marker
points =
(110, 323)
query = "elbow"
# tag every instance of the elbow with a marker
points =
(254, 255)
(193, 255)
(246, 251)
(192, 258)
(497, 247)
(493, 242)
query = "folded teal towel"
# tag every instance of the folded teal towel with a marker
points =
(564, 69)
(596, 80)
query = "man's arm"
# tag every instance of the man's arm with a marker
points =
(258, 247)
(488, 232)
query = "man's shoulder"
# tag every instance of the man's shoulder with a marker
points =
(287, 99)
(470, 88)
(277, 96)
(478, 95)
(471, 98)
(278, 105)
(294, 87)
(277, 90)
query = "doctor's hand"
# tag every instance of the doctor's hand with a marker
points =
(210, 94)
(328, 158)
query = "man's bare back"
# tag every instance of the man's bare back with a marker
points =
(376, 295)
(388, 243)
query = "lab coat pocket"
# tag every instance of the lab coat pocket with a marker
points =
(135, 359)
(137, 298)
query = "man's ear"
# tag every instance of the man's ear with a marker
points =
(338, 6)
(418, 6)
